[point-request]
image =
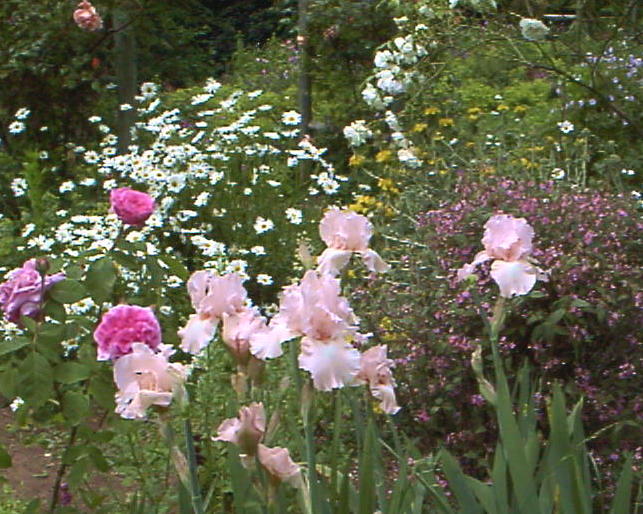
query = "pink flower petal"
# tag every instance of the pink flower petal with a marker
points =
(332, 261)
(514, 278)
(374, 262)
(332, 364)
(197, 333)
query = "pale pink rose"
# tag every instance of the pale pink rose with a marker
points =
(508, 240)
(245, 431)
(86, 16)
(131, 206)
(313, 308)
(145, 378)
(332, 364)
(375, 370)
(279, 465)
(238, 328)
(124, 325)
(212, 296)
(345, 232)
(22, 293)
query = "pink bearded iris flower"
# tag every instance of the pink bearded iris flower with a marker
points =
(279, 465)
(22, 293)
(375, 370)
(508, 241)
(238, 328)
(314, 309)
(212, 296)
(145, 378)
(124, 325)
(346, 232)
(245, 431)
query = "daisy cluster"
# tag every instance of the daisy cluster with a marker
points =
(220, 170)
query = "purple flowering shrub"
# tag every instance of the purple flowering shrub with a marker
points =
(580, 327)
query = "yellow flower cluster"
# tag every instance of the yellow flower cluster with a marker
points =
(430, 111)
(383, 156)
(386, 184)
(356, 160)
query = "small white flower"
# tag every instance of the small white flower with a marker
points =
(173, 281)
(67, 186)
(566, 126)
(211, 86)
(22, 113)
(291, 118)
(627, 172)
(262, 225)
(558, 173)
(200, 99)
(294, 216)
(258, 250)
(149, 90)
(94, 119)
(125, 107)
(264, 279)
(16, 403)
(16, 127)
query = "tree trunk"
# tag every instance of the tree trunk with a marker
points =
(125, 67)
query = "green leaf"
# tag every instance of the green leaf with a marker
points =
(75, 407)
(5, 458)
(367, 472)
(36, 380)
(100, 279)
(621, 502)
(71, 372)
(12, 346)
(67, 291)
(175, 266)
(55, 310)
(459, 484)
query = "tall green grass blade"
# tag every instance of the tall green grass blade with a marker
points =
(622, 498)
(513, 444)
(499, 478)
(459, 484)
(367, 472)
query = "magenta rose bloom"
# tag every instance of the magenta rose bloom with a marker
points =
(131, 206)
(123, 325)
(22, 293)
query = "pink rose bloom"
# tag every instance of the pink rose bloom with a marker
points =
(279, 465)
(145, 378)
(346, 232)
(313, 308)
(86, 17)
(245, 431)
(212, 296)
(21, 294)
(131, 206)
(508, 240)
(124, 325)
(375, 370)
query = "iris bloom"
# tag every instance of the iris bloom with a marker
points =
(508, 241)
(375, 370)
(245, 431)
(346, 232)
(314, 309)
(212, 296)
(145, 378)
